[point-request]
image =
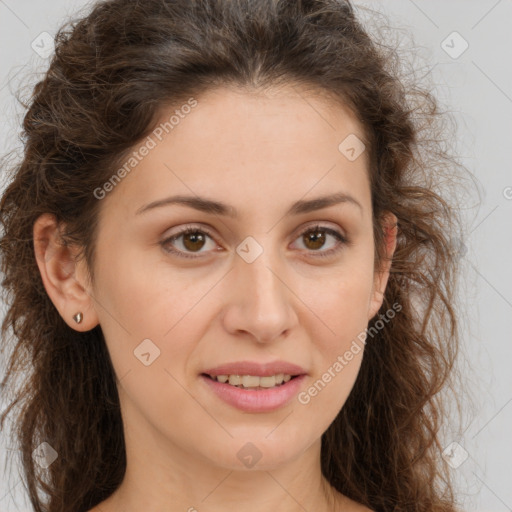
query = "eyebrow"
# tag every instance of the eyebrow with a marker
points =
(206, 205)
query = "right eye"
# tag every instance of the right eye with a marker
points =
(190, 240)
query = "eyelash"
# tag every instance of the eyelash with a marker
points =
(342, 240)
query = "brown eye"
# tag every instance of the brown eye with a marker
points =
(315, 238)
(188, 243)
(193, 241)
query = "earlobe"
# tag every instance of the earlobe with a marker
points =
(390, 228)
(64, 284)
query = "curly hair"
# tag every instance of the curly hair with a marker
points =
(112, 71)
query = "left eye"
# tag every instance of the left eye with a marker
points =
(194, 239)
(315, 237)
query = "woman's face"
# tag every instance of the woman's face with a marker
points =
(262, 280)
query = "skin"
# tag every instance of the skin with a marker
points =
(258, 152)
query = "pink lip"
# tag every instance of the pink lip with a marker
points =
(257, 369)
(255, 400)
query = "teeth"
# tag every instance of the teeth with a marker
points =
(235, 380)
(253, 381)
(268, 382)
(249, 381)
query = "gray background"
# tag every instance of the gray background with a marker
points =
(477, 88)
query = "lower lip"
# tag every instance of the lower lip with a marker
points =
(256, 400)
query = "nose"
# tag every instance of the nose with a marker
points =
(259, 302)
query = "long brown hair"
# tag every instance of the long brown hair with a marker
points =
(111, 73)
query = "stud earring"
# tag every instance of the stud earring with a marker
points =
(78, 317)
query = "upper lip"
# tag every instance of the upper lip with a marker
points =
(256, 369)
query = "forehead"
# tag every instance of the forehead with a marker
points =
(249, 147)
(288, 115)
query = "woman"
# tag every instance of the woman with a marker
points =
(229, 267)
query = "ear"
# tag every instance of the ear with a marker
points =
(382, 274)
(64, 279)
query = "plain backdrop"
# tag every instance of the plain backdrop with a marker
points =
(467, 46)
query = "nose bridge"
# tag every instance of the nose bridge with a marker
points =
(261, 275)
(260, 301)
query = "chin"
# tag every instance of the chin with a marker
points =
(256, 453)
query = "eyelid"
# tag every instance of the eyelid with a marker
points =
(187, 228)
(342, 239)
(321, 225)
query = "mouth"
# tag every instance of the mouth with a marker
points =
(253, 387)
(252, 382)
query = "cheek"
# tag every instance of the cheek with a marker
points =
(171, 308)
(337, 328)
(343, 309)
(339, 301)
(145, 296)
(146, 303)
